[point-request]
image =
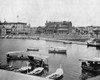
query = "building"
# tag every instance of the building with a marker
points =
(82, 30)
(40, 30)
(14, 28)
(58, 27)
(2, 31)
(64, 28)
(33, 30)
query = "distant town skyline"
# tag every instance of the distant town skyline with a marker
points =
(37, 12)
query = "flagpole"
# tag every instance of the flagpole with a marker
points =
(17, 17)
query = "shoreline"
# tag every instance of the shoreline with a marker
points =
(64, 41)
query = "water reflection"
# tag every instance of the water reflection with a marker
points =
(88, 74)
(69, 61)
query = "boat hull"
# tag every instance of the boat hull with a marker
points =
(17, 58)
(32, 49)
(59, 51)
(37, 71)
(93, 45)
(90, 69)
(57, 75)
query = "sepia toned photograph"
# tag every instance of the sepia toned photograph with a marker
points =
(49, 39)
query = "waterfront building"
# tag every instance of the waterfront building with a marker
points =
(89, 28)
(2, 30)
(40, 30)
(82, 30)
(9, 28)
(33, 30)
(64, 27)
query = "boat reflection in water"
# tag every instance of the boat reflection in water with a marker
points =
(88, 74)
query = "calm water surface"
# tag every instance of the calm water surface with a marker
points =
(70, 62)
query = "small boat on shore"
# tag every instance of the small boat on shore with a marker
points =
(59, 50)
(32, 49)
(36, 71)
(23, 69)
(92, 65)
(58, 74)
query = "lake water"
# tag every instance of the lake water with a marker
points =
(70, 62)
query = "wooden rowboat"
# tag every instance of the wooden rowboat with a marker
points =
(36, 71)
(56, 75)
(32, 49)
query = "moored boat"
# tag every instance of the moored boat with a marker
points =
(23, 69)
(16, 55)
(67, 42)
(32, 49)
(58, 74)
(59, 50)
(92, 65)
(39, 60)
(36, 71)
(94, 43)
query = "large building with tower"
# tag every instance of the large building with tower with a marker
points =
(64, 27)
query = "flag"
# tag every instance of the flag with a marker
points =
(17, 16)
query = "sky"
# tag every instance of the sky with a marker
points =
(37, 12)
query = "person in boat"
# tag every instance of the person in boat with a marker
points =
(84, 64)
(8, 55)
(96, 66)
(41, 62)
(91, 64)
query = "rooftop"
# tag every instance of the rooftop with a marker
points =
(12, 23)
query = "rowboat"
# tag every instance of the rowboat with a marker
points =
(39, 60)
(36, 71)
(23, 69)
(92, 65)
(60, 50)
(16, 55)
(32, 49)
(67, 42)
(58, 74)
(94, 43)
